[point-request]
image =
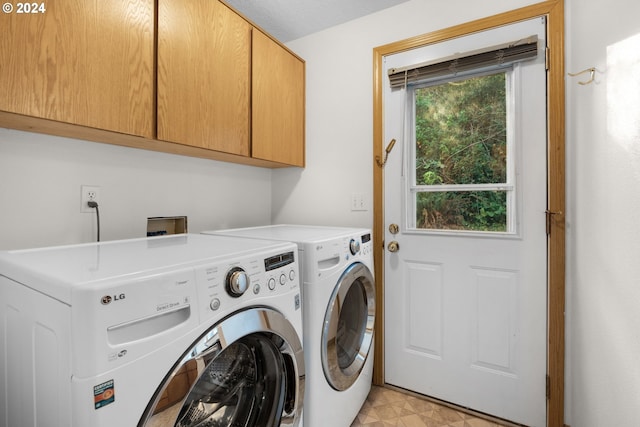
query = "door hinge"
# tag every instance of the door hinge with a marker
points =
(548, 387)
(550, 215)
(548, 227)
(546, 58)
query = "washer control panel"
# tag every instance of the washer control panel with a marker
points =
(360, 245)
(277, 272)
(367, 244)
(223, 286)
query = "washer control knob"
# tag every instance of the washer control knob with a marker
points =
(292, 275)
(354, 246)
(272, 283)
(283, 279)
(214, 304)
(237, 282)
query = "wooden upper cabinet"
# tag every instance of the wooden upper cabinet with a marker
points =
(278, 115)
(204, 61)
(86, 62)
(213, 86)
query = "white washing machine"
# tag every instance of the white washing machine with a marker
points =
(338, 294)
(186, 330)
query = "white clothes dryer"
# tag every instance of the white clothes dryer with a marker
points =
(182, 330)
(338, 295)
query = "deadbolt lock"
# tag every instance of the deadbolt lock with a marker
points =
(393, 228)
(393, 246)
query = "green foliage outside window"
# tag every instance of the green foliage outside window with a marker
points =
(461, 138)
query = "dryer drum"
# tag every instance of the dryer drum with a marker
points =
(348, 327)
(352, 326)
(246, 371)
(224, 395)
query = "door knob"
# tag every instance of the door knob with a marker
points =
(393, 246)
(393, 228)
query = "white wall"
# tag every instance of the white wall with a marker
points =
(340, 107)
(603, 233)
(40, 179)
(603, 176)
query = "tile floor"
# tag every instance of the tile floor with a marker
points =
(386, 407)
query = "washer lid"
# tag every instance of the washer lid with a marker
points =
(55, 271)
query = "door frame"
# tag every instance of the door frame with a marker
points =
(553, 10)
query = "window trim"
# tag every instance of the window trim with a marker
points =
(511, 187)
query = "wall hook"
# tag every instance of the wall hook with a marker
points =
(591, 71)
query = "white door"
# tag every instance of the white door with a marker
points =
(465, 298)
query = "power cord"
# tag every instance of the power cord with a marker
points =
(94, 204)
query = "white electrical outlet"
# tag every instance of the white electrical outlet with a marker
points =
(89, 193)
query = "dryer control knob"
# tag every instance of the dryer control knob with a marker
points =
(354, 246)
(237, 282)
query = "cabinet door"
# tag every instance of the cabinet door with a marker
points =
(203, 75)
(86, 62)
(278, 103)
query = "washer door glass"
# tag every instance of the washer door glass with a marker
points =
(348, 327)
(246, 371)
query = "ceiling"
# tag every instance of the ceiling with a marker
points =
(288, 20)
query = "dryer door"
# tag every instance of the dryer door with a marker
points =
(348, 326)
(248, 370)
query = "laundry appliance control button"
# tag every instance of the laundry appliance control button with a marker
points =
(237, 282)
(354, 246)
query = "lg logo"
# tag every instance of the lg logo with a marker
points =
(108, 298)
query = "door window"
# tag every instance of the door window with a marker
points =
(462, 156)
